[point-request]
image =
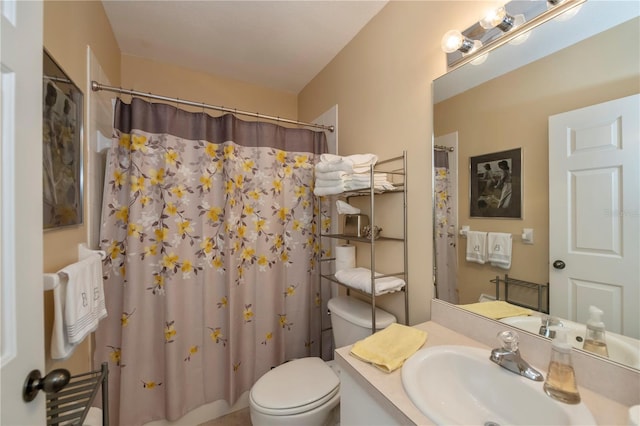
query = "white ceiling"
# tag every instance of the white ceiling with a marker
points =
(276, 44)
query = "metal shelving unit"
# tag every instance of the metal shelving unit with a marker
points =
(399, 188)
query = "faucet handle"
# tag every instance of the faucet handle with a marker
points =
(509, 340)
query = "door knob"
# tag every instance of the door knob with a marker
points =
(52, 382)
(559, 264)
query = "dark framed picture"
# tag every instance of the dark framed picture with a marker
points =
(495, 189)
(62, 121)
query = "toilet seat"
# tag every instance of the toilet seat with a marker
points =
(295, 387)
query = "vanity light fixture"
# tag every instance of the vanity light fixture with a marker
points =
(454, 40)
(566, 15)
(499, 18)
(510, 23)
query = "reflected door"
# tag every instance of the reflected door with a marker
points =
(594, 182)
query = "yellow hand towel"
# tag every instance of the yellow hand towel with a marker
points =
(389, 348)
(496, 309)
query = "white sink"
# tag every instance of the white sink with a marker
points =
(621, 348)
(460, 385)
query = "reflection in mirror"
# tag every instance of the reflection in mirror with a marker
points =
(498, 106)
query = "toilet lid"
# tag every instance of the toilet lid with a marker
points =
(297, 383)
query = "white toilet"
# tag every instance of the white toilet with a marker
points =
(306, 391)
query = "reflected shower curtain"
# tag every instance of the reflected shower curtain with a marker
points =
(210, 277)
(445, 230)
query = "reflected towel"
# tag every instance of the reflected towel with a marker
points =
(499, 249)
(388, 349)
(360, 279)
(497, 309)
(477, 247)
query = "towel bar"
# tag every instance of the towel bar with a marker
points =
(52, 280)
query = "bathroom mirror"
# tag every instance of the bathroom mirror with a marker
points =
(503, 104)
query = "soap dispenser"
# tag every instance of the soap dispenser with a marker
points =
(561, 378)
(594, 339)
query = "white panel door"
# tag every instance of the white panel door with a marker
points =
(21, 288)
(594, 188)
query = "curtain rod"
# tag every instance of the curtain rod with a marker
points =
(95, 86)
(443, 148)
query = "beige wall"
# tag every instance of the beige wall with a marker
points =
(381, 82)
(512, 111)
(68, 28)
(173, 81)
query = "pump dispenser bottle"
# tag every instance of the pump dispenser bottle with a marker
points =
(594, 339)
(561, 378)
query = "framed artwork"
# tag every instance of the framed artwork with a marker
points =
(495, 187)
(62, 121)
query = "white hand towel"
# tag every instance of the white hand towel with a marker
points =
(499, 249)
(84, 303)
(477, 247)
(60, 346)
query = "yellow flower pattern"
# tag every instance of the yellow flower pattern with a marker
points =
(221, 220)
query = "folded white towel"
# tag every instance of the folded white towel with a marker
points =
(339, 174)
(342, 166)
(499, 246)
(328, 190)
(346, 208)
(377, 177)
(85, 304)
(331, 158)
(360, 278)
(329, 182)
(362, 162)
(352, 185)
(477, 247)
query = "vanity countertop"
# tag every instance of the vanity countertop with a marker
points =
(386, 388)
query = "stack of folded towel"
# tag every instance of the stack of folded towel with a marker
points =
(336, 174)
(360, 279)
(388, 349)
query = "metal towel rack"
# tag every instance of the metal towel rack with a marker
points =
(541, 293)
(70, 406)
(52, 280)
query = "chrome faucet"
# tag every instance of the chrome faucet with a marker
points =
(546, 322)
(508, 356)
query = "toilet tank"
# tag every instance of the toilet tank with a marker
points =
(351, 320)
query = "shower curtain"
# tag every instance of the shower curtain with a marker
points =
(210, 277)
(445, 230)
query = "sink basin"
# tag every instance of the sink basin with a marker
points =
(621, 349)
(460, 385)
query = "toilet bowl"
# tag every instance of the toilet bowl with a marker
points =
(306, 391)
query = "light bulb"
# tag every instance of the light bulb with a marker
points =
(451, 41)
(497, 18)
(454, 40)
(492, 18)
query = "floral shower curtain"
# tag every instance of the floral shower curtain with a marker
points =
(445, 232)
(210, 277)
